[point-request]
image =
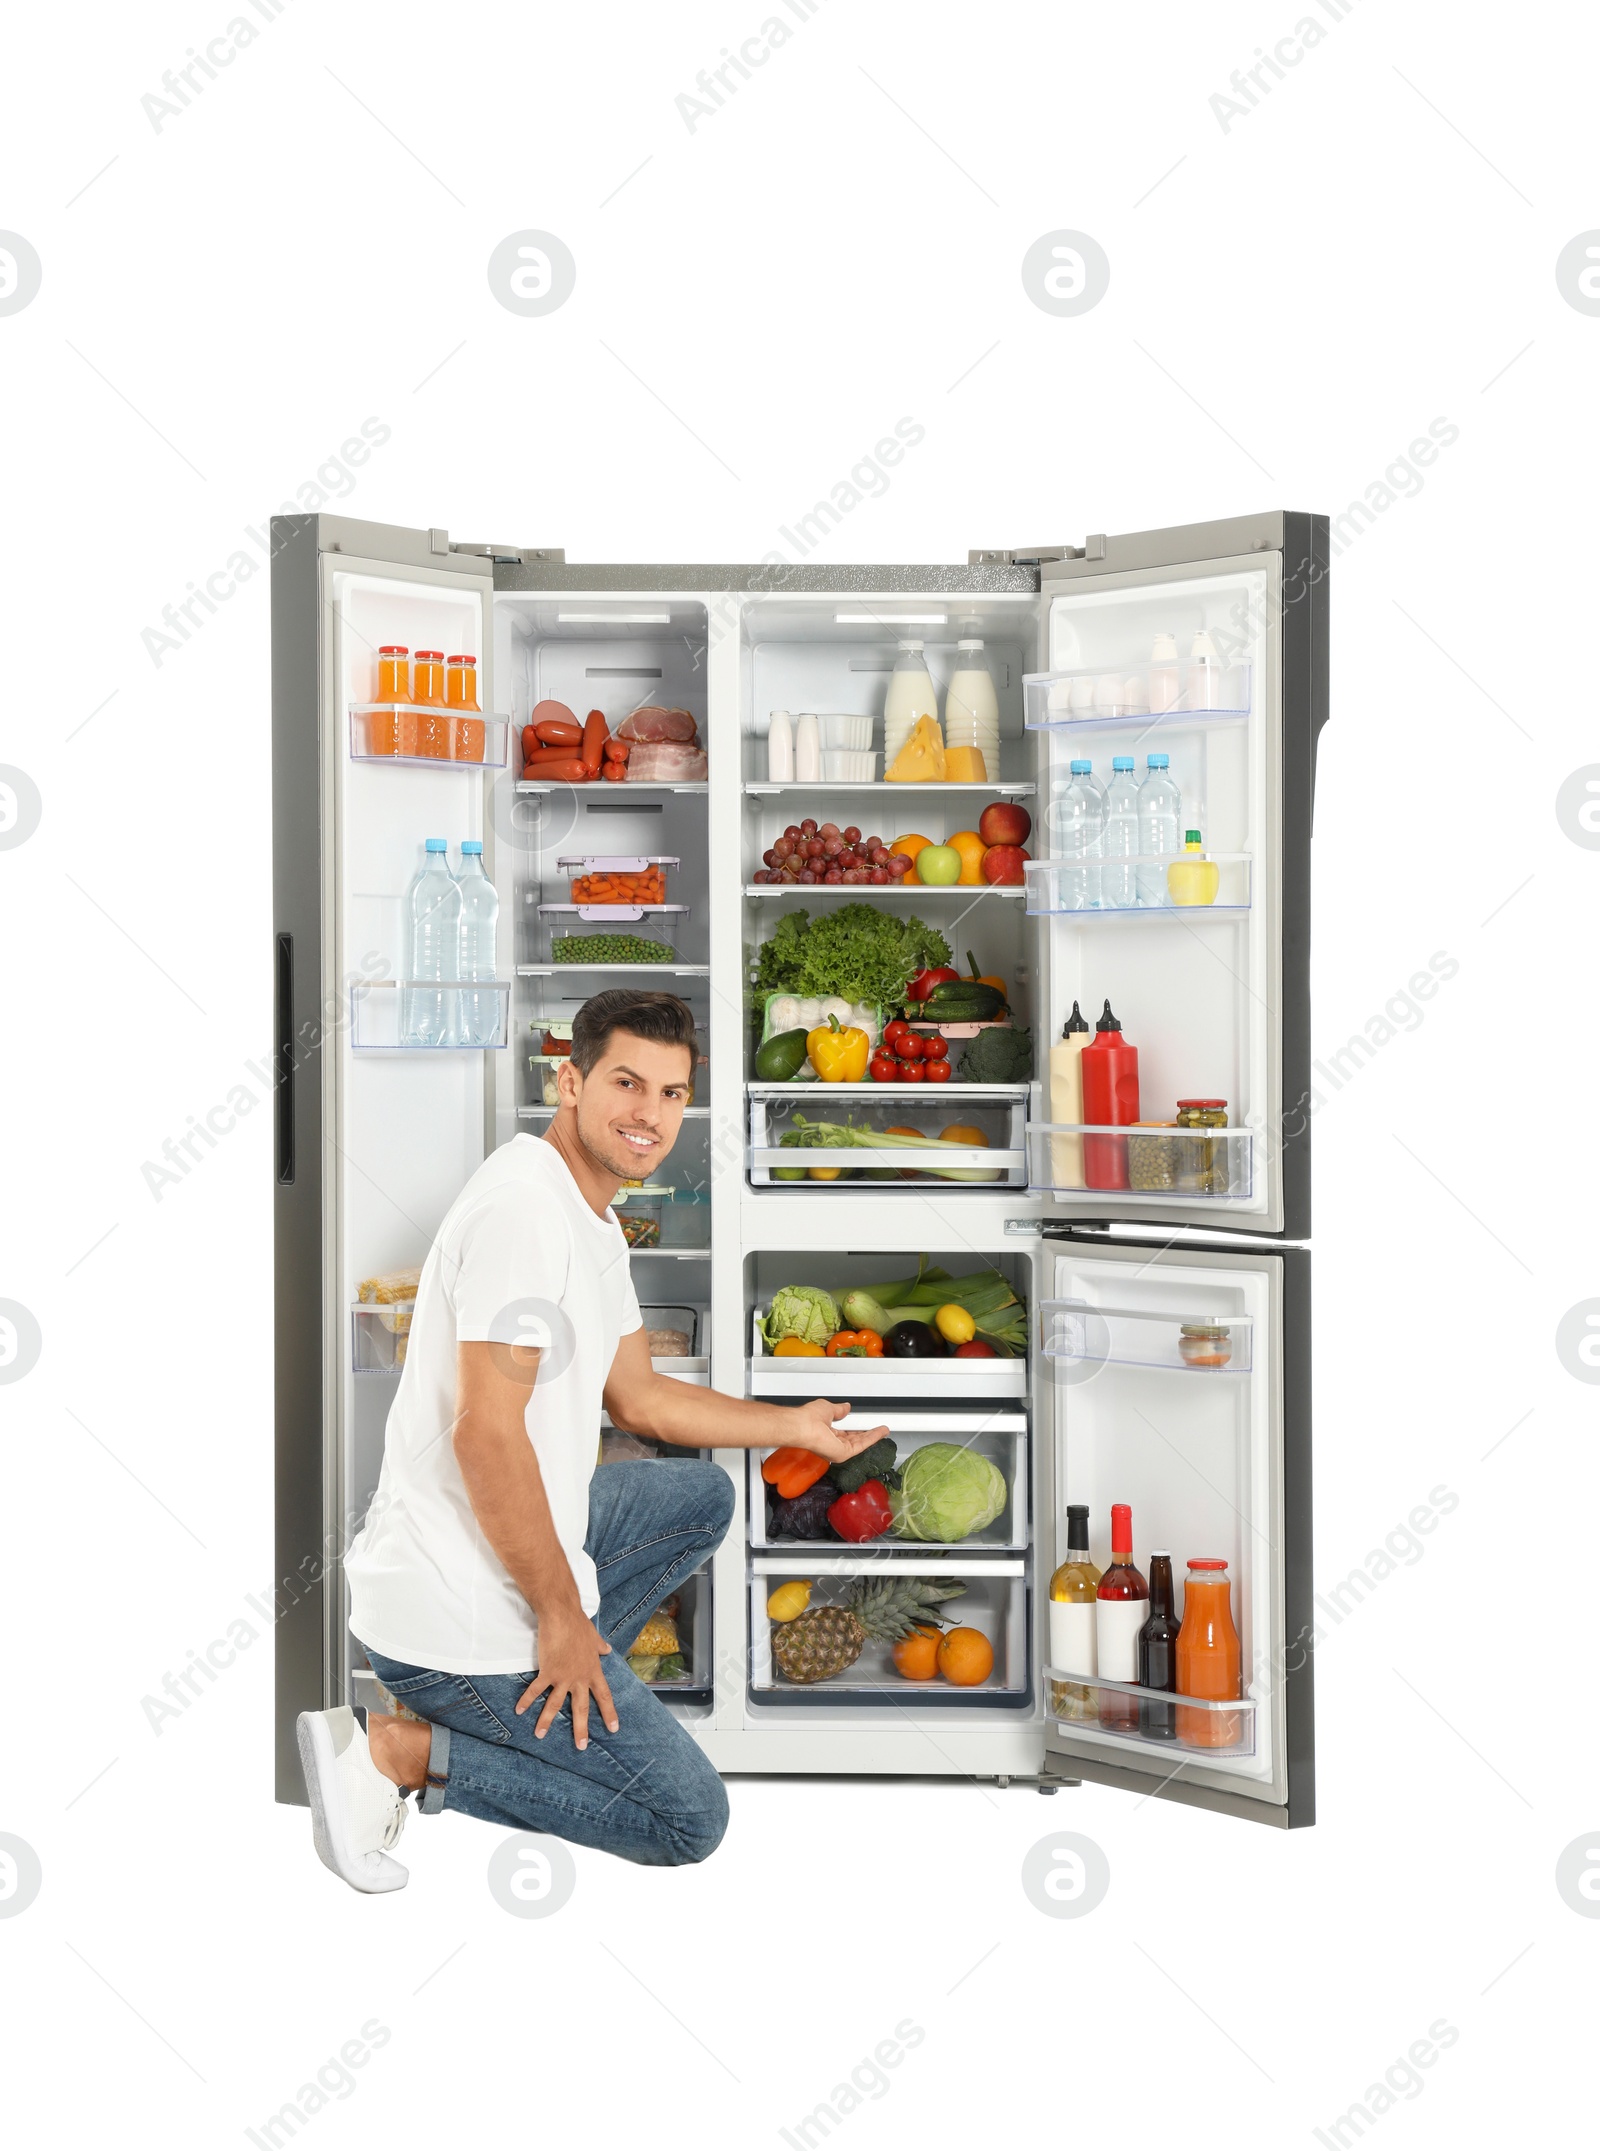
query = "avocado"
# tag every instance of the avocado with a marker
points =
(781, 1059)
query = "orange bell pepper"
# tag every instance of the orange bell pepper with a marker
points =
(792, 1470)
(855, 1344)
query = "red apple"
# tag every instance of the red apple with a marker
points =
(1004, 822)
(1003, 863)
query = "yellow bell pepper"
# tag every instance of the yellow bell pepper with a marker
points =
(838, 1053)
(796, 1348)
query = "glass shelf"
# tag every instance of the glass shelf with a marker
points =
(1103, 698)
(1055, 886)
(875, 892)
(617, 792)
(1198, 1344)
(1000, 788)
(395, 732)
(1174, 1724)
(1153, 1162)
(386, 1013)
(632, 970)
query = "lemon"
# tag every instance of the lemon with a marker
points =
(954, 1324)
(789, 1601)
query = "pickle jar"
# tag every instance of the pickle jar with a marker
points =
(1202, 1162)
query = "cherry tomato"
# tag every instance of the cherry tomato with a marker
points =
(936, 1071)
(909, 1047)
(894, 1032)
(936, 1049)
(885, 1068)
(911, 1071)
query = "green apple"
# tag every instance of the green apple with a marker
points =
(938, 865)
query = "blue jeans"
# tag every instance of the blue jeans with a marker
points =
(646, 1791)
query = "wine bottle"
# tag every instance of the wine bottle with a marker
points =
(1072, 1619)
(1120, 1611)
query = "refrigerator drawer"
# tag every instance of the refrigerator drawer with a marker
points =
(923, 1381)
(1001, 1437)
(993, 1601)
(990, 1153)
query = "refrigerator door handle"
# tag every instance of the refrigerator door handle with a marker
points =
(285, 1055)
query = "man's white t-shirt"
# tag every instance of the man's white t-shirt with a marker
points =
(521, 1258)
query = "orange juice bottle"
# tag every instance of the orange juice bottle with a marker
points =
(461, 693)
(427, 689)
(386, 726)
(1208, 1657)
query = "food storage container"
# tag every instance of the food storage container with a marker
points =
(1204, 1344)
(604, 879)
(843, 733)
(671, 1331)
(849, 765)
(804, 1012)
(1153, 1159)
(639, 1211)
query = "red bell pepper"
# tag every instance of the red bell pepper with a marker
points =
(865, 1514)
(925, 981)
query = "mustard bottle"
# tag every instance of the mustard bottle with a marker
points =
(1066, 1100)
(1193, 878)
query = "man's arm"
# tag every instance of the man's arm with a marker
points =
(661, 1409)
(506, 1489)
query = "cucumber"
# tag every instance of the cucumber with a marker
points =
(781, 1059)
(963, 1002)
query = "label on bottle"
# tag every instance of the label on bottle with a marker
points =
(1072, 1636)
(1117, 1625)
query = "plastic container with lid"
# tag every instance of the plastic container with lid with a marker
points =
(1153, 1158)
(1205, 1344)
(599, 879)
(638, 1210)
(1202, 1164)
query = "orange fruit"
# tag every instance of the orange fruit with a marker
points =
(972, 848)
(911, 845)
(966, 1657)
(916, 1657)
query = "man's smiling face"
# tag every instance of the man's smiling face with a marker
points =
(630, 1104)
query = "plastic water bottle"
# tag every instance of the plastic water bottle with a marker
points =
(480, 909)
(1160, 828)
(433, 934)
(1077, 828)
(1119, 889)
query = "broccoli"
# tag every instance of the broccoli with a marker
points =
(874, 1463)
(999, 1054)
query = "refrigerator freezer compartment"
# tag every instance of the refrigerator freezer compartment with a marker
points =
(925, 1380)
(1058, 887)
(1154, 1161)
(423, 733)
(1098, 697)
(994, 1602)
(616, 878)
(379, 1335)
(1200, 1344)
(782, 1148)
(1173, 1724)
(390, 1015)
(1002, 1437)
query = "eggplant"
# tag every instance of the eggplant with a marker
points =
(806, 1517)
(913, 1340)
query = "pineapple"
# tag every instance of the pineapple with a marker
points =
(825, 1640)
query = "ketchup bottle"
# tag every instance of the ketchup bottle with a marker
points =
(1110, 1100)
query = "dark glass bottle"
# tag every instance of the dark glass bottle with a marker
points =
(1158, 1652)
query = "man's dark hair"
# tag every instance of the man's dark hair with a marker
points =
(660, 1017)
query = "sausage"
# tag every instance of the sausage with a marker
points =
(613, 771)
(595, 734)
(616, 750)
(556, 732)
(543, 758)
(563, 769)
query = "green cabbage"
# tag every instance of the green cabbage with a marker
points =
(803, 1311)
(946, 1492)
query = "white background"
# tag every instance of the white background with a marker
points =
(1294, 298)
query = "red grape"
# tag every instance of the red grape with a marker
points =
(852, 835)
(833, 875)
(772, 858)
(880, 875)
(829, 829)
(793, 832)
(808, 827)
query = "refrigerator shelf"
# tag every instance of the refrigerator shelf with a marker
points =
(1233, 1723)
(1049, 885)
(1149, 1162)
(1002, 1437)
(1000, 789)
(617, 792)
(614, 911)
(1139, 1337)
(380, 731)
(949, 1381)
(994, 1602)
(377, 1013)
(569, 970)
(543, 1112)
(875, 892)
(1103, 699)
(917, 1093)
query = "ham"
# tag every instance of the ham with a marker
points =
(666, 762)
(656, 724)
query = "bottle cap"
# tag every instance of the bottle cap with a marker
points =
(1122, 761)
(1161, 1553)
(437, 844)
(912, 646)
(468, 659)
(470, 850)
(1209, 1563)
(1155, 761)
(1191, 836)
(1081, 768)
(969, 643)
(1077, 1527)
(1074, 1022)
(1108, 1022)
(436, 655)
(1122, 1529)
(392, 649)
(1163, 650)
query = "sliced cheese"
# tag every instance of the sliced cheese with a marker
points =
(965, 765)
(922, 759)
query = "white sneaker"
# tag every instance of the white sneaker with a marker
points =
(356, 1813)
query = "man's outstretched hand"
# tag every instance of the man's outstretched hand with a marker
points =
(810, 1426)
